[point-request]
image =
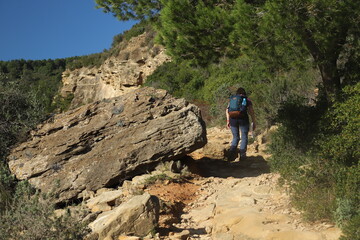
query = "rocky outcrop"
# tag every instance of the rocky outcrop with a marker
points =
(104, 201)
(117, 75)
(103, 143)
(138, 216)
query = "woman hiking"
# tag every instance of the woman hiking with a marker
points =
(237, 118)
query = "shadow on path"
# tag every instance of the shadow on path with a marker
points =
(206, 167)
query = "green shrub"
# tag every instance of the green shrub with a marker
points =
(91, 60)
(316, 150)
(31, 217)
(153, 179)
(27, 90)
(180, 79)
(216, 82)
(347, 189)
(7, 183)
(344, 211)
(62, 104)
(351, 230)
(340, 139)
(286, 158)
(314, 191)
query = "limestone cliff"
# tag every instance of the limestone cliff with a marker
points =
(118, 75)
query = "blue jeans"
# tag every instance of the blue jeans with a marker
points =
(237, 126)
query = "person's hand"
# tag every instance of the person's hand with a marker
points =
(227, 123)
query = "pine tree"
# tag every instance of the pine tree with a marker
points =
(326, 29)
(196, 30)
(130, 9)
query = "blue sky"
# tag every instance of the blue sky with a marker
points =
(50, 29)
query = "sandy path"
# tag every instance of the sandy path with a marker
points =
(241, 200)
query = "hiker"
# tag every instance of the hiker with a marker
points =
(237, 118)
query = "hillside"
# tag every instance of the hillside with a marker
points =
(117, 75)
(137, 118)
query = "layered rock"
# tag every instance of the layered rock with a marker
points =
(138, 216)
(118, 75)
(106, 142)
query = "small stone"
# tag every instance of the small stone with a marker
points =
(103, 190)
(86, 195)
(91, 217)
(208, 229)
(102, 207)
(60, 212)
(128, 238)
(181, 236)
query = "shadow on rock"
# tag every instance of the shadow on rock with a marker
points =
(181, 233)
(206, 167)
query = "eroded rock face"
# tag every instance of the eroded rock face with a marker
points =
(103, 143)
(118, 75)
(137, 216)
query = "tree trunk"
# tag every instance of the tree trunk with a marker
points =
(330, 78)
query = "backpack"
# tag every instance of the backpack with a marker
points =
(237, 106)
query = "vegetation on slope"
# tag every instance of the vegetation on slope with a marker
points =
(279, 51)
(28, 96)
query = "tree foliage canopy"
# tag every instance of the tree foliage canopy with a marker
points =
(283, 33)
(328, 30)
(130, 9)
(196, 30)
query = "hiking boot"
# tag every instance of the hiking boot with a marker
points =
(231, 155)
(242, 156)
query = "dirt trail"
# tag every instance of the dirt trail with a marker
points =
(234, 200)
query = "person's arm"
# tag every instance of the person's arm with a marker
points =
(227, 117)
(252, 114)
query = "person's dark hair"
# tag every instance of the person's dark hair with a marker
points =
(241, 91)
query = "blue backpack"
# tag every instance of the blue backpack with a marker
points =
(237, 106)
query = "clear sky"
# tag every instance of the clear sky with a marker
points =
(50, 29)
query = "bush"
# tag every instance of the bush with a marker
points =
(286, 158)
(314, 191)
(31, 217)
(180, 79)
(316, 150)
(7, 184)
(347, 195)
(340, 140)
(27, 90)
(136, 30)
(215, 83)
(62, 104)
(155, 178)
(311, 183)
(351, 230)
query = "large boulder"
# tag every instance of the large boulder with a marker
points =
(104, 143)
(138, 216)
